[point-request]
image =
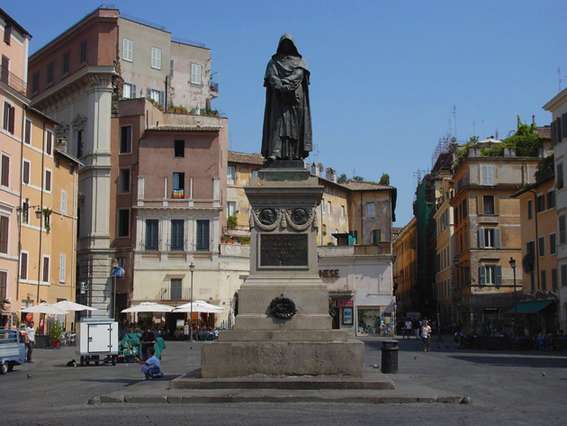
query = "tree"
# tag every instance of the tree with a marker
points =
(342, 178)
(384, 179)
(358, 178)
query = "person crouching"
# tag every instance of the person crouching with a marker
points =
(152, 366)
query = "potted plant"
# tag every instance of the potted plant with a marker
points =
(55, 333)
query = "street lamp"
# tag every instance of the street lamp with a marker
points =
(191, 269)
(512, 263)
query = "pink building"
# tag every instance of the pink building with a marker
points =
(14, 41)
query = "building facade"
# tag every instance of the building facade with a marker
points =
(405, 270)
(557, 106)
(487, 235)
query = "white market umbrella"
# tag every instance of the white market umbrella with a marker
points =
(44, 308)
(200, 306)
(148, 307)
(69, 306)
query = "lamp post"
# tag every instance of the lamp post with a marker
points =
(512, 263)
(191, 269)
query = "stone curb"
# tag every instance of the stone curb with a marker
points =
(235, 398)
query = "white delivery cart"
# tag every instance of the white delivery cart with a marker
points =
(98, 341)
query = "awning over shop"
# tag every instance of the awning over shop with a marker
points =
(532, 307)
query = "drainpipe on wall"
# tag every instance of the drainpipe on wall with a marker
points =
(19, 209)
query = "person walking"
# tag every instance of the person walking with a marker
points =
(426, 335)
(30, 341)
(408, 327)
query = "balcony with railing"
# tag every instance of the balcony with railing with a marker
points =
(12, 80)
(168, 294)
(178, 194)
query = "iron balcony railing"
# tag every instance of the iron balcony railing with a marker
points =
(12, 80)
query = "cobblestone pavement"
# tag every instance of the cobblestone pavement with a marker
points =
(505, 388)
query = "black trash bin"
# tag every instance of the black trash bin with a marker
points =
(390, 350)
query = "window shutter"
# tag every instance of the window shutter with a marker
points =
(558, 128)
(4, 229)
(62, 268)
(498, 276)
(481, 275)
(24, 266)
(480, 233)
(497, 240)
(564, 124)
(12, 119)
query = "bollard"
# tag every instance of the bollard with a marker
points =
(390, 350)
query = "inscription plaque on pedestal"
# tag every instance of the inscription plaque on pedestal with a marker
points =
(283, 250)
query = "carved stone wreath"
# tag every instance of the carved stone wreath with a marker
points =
(281, 308)
(297, 219)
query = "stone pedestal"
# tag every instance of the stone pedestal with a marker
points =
(283, 325)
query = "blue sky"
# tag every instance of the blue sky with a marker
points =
(385, 74)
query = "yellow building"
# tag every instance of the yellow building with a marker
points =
(405, 269)
(48, 216)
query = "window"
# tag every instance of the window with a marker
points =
(127, 50)
(4, 234)
(370, 209)
(9, 117)
(530, 207)
(45, 269)
(563, 275)
(179, 148)
(125, 139)
(541, 246)
(27, 132)
(124, 180)
(376, 236)
(156, 58)
(231, 208)
(203, 235)
(152, 236)
(79, 143)
(7, 33)
(489, 238)
(177, 234)
(231, 175)
(26, 172)
(50, 72)
(543, 280)
(343, 212)
(487, 174)
(156, 96)
(196, 74)
(554, 280)
(26, 211)
(562, 230)
(176, 289)
(540, 203)
(24, 265)
(123, 222)
(552, 244)
(5, 174)
(63, 202)
(559, 176)
(62, 262)
(35, 82)
(178, 181)
(551, 199)
(49, 143)
(488, 201)
(128, 90)
(3, 284)
(490, 275)
(66, 62)
(83, 52)
(48, 180)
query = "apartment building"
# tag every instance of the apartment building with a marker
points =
(405, 269)
(14, 45)
(79, 78)
(557, 106)
(487, 233)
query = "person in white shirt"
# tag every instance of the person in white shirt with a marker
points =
(426, 335)
(30, 331)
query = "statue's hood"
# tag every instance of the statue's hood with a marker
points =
(288, 37)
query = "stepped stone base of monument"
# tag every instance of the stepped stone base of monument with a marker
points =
(282, 356)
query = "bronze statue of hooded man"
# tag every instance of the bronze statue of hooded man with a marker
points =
(287, 117)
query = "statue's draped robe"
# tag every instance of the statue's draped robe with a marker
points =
(287, 117)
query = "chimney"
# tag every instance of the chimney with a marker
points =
(331, 175)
